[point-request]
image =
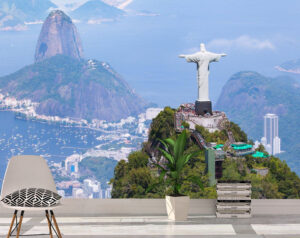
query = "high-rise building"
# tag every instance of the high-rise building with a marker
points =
(271, 140)
(108, 191)
(91, 188)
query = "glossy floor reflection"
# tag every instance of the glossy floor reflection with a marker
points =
(160, 226)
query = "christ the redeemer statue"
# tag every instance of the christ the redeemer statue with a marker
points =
(203, 58)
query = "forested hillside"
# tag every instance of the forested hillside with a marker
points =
(248, 96)
(133, 177)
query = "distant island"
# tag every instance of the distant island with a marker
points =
(291, 66)
(19, 15)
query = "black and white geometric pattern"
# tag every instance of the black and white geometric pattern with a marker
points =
(32, 197)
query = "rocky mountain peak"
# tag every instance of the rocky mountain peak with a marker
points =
(64, 86)
(58, 36)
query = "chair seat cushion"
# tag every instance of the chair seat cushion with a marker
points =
(32, 197)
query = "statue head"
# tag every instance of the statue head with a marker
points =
(202, 47)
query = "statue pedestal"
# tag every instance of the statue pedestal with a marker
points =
(203, 107)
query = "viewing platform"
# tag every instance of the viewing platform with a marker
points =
(242, 149)
(186, 113)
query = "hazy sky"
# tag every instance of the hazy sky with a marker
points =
(144, 48)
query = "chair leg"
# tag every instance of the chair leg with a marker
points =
(20, 224)
(55, 223)
(12, 223)
(49, 223)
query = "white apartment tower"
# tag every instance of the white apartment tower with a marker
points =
(271, 140)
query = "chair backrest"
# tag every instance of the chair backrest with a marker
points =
(27, 171)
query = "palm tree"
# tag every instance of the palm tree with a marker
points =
(176, 159)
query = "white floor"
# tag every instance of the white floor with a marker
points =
(276, 229)
(3, 230)
(151, 225)
(136, 219)
(85, 230)
(4, 220)
(101, 219)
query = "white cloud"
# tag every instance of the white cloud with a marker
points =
(242, 42)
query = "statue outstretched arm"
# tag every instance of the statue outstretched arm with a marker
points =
(217, 57)
(190, 58)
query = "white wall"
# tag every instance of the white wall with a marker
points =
(140, 207)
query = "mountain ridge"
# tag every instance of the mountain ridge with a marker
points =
(95, 10)
(248, 96)
(15, 13)
(66, 85)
